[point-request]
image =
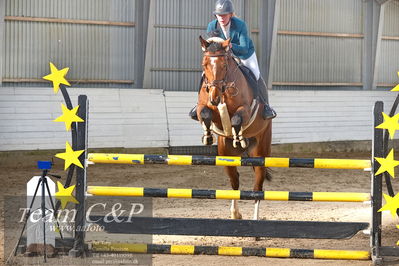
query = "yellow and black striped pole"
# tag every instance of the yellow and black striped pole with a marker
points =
(227, 194)
(230, 251)
(113, 158)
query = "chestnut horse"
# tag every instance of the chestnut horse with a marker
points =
(227, 107)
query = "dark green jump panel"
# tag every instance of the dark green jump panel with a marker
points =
(224, 227)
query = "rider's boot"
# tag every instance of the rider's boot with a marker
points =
(268, 112)
(193, 111)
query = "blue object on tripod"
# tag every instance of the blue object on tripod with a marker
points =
(44, 165)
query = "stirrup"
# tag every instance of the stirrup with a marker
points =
(268, 112)
(193, 113)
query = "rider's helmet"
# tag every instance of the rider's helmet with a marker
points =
(223, 7)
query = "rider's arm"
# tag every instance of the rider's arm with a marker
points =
(209, 29)
(242, 47)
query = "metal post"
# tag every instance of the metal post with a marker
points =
(373, 25)
(376, 188)
(268, 26)
(149, 45)
(141, 14)
(78, 248)
(245, 13)
(2, 37)
(383, 1)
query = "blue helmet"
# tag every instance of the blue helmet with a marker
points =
(223, 7)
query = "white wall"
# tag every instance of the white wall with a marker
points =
(152, 118)
(118, 118)
(303, 116)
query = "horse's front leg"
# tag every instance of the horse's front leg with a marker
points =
(205, 117)
(225, 149)
(240, 118)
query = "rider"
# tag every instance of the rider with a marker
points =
(225, 26)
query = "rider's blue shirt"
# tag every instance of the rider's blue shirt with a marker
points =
(242, 44)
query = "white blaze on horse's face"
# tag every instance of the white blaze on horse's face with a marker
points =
(214, 66)
(217, 73)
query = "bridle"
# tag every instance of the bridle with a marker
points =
(220, 84)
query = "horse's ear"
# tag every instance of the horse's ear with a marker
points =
(204, 43)
(226, 44)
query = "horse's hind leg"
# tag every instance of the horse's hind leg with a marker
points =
(232, 172)
(261, 173)
(263, 149)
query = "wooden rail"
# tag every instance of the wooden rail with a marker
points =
(30, 80)
(70, 21)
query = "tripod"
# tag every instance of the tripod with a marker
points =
(42, 182)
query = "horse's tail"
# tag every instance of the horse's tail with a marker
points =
(268, 174)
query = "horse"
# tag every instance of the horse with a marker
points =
(227, 106)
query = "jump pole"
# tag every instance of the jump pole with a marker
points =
(114, 158)
(230, 251)
(226, 194)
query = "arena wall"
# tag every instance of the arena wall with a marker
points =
(132, 118)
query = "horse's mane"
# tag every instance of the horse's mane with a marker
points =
(215, 44)
(215, 39)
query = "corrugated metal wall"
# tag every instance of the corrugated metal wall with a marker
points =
(251, 16)
(344, 16)
(176, 59)
(101, 53)
(319, 43)
(93, 52)
(317, 59)
(389, 60)
(327, 59)
(113, 10)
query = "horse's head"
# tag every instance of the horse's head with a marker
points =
(214, 65)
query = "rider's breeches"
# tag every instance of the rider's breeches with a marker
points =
(252, 64)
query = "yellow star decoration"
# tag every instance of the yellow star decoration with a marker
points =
(390, 123)
(68, 116)
(397, 243)
(64, 195)
(57, 77)
(388, 164)
(392, 204)
(70, 156)
(396, 88)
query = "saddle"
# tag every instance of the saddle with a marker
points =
(251, 79)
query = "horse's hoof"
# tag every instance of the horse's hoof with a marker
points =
(235, 142)
(244, 143)
(236, 216)
(207, 140)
